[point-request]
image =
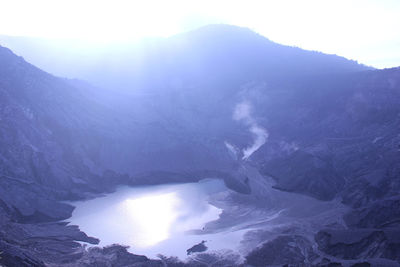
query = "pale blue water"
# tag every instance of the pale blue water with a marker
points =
(155, 219)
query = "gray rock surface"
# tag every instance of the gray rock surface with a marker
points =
(332, 135)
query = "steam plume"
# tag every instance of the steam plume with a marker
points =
(234, 151)
(242, 113)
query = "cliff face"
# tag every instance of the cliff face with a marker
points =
(344, 130)
(325, 127)
(184, 92)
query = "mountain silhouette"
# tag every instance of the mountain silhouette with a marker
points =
(189, 107)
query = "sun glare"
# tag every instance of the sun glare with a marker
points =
(287, 22)
(151, 216)
(89, 20)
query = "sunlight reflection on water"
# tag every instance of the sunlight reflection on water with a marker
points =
(151, 219)
(152, 216)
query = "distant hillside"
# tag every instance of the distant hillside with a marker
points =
(232, 52)
(200, 104)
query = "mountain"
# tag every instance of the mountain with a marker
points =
(235, 54)
(221, 101)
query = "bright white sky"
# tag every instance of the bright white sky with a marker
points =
(365, 30)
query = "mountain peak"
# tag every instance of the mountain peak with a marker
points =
(225, 32)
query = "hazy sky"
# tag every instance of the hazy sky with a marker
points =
(364, 30)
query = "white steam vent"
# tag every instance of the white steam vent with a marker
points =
(242, 113)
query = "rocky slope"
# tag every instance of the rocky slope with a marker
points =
(322, 126)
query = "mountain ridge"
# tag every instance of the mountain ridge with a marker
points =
(132, 61)
(330, 136)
